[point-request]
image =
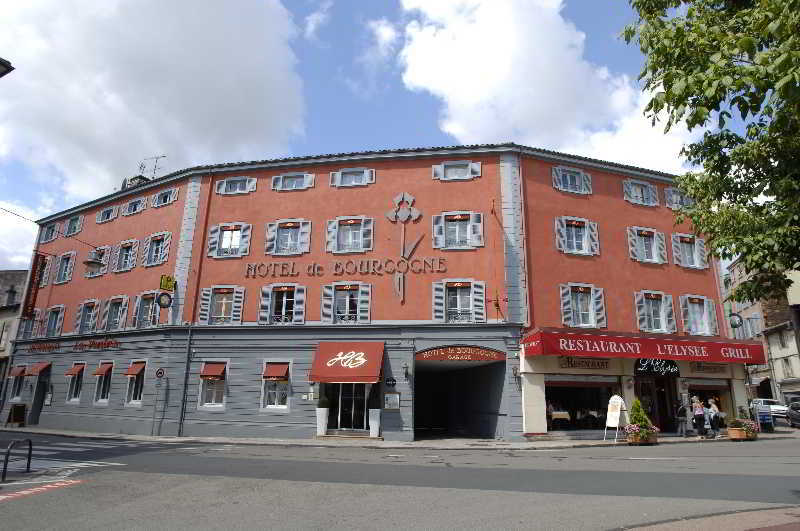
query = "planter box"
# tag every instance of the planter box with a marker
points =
(635, 440)
(738, 434)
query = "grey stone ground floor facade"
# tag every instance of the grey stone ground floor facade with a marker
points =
(169, 405)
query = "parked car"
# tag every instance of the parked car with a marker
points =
(777, 409)
(793, 415)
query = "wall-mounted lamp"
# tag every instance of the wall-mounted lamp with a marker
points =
(405, 370)
(736, 320)
(515, 372)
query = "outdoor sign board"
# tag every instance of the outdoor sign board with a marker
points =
(33, 286)
(615, 407)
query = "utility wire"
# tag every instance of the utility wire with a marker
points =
(93, 246)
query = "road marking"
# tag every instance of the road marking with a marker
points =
(654, 458)
(40, 490)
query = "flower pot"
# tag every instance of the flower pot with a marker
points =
(739, 434)
(374, 422)
(649, 439)
(322, 420)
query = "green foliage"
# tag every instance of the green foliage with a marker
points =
(638, 416)
(706, 62)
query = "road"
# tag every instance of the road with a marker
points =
(136, 485)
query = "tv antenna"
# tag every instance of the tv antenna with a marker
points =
(143, 164)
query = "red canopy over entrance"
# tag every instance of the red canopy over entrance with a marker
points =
(569, 342)
(340, 362)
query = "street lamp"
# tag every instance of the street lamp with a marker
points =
(736, 320)
(5, 67)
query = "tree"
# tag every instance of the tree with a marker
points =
(706, 62)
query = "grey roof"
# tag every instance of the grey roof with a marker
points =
(373, 154)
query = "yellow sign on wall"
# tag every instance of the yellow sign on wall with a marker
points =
(167, 283)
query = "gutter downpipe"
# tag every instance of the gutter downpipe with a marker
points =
(188, 362)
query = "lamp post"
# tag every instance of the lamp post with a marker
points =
(5, 67)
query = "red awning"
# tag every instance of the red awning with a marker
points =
(75, 370)
(103, 369)
(17, 371)
(569, 342)
(135, 368)
(276, 371)
(341, 362)
(213, 370)
(37, 367)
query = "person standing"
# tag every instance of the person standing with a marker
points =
(681, 417)
(713, 413)
(699, 414)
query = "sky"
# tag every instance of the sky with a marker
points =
(101, 86)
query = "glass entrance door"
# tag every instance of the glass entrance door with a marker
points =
(658, 398)
(348, 406)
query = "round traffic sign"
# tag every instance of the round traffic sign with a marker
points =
(164, 300)
(160, 372)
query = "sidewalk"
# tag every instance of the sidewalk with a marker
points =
(435, 444)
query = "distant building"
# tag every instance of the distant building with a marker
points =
(12, 288)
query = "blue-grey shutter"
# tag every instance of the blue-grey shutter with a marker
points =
(137, 306)
(327, 303)
(711, 315)
(221, 186)
(661, 247)
(154, 200)
(60, 321)
(669, 197)
(134, 251)
(475, 169)
(173, 196)
(556, 173)
(97, 217)
(330, 236)
(437, 171)
(70, 265)
(304, 236)
(684, 302)
(627, 190)
(265, 306)
(669, 314)
(213, 240)
(586, 183)
(238, 305)
(336, 177)
(479, 301)
(677, 252)
(244, 242)
(115, 258)
(299, 309)
(93, 316)
(272, 235)
(561, 234)
(308, 180)
(277, 182)
(204, 313)
(594, 238)
(165, 248)
(439, 302)
(566, 304)
(77, 326)
(251, 184)
(104, 260)
(599, 305)
(475, 233)
(114, 212)
(36, 329)
(367, 236)
(652, 195)
(364, 292)
(641, 316)
(46, 272)
(104, 315)
(80, 224)
(155, 313)
(700, 250)
(369, 176)
(146, 251)
(123, 312)
(439, 240)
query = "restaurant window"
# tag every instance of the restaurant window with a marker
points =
(102, 389)
(456, 170)
(655, 312)
(576, 236)
(349, 234)
(236, 185)
(352, 177)
(275, 387)
(699, 315)
(578, 402)
(640, 192)
(135, 375)
(458, 230)
(17, 375)
(647, 245)
(221, 305)
(689, 251)
(212, 384)
(292, 181)
(75, 375)
(229, 240)
(288, 237)
(459, 301)
(582, 305)
(571, 180)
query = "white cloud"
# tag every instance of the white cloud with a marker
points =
(100, 85)
(376, 57)
(514, 70)
(317, 19)
(384, 37)
(17, 235)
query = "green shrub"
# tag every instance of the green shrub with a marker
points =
(638, 416)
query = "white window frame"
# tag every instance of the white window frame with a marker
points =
(707, 318)
(120, 323)
(165, 237)
(155, 310)
(67, 223)
(262, 401)
(274, 300)
(95, 306)
(132, 261)
(700, 262)
(211, 316)
(171, 194)
(655, 235)
(13, 384)
(70, 399)
(142, 206)
(112, 217)
(368, 177)
(470, 309)
(98, 384)
(250, 184)
(297, 249)
(243, 239)
(583, 180)
(59, 308)
(592, 317)
(586, 228)
(130, 388)
(439, 171)
(663, 317)
(353, 287)
(279, 186)
(45, 229)
(70, 256)
(347, 220)
(473, 241)
(202, 387)
(652, 189)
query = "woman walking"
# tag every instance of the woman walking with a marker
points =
(699, 414)
(713, 412)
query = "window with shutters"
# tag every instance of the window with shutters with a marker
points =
(135, 374)
(64, 272)
(49, 233)
(102, 386)
(456, 170)
(457, 230)
(156, 248)
(221, 306)
(287, 240)
(345, 304)
(107, 214)
(676, 199)
(125, 260)
(459, 302)
(86, 318)
(582, 305)
(349, 236)
(114, 320)
(55, 318)
(73, 225)
(654, 311)
(577, 236)
(640, 192)
(571, 180)
(282, 304)
(165, 197)
(689, 251)
(44, 272)
(17, 382)
(102, 255)
(75, 376)
(236, 185)
(27, 328)
(286, 237)
(230, 238)
(275, 387)
(148, 312)
(349, 177)
(699, 315)
(134, 206)
(212, 384)
(292, 181)
(647, 245)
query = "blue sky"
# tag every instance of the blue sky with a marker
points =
(99, 86)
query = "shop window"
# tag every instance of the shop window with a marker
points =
(164, 197)
(578, 402)
(689, 251)
(107, 214)
(124, 255)
(456, 170)
(275, 387)
(571, 180)
(102, 254)
(212, 384)
(655, 312)
(459, 301)
(66, 263)
(74, 225)
(288, 237)
(458, 230)
(135, 375)
(352, 177)
(576, 236)
(85, 317)
(282, 304)
(146, 311)
(347, 303)
(49, 233)
(236, 185)
(229, 240)
(349, 235)
(102, 388)
(699, 315)
(647, 245)
(582, 305)
(55, 320)
(675, 199)
(156, 249)
(640, 192)
(17, 376)
(75, 375)
(134, 206)
(221, 305)
(292, 181)
(114, 313)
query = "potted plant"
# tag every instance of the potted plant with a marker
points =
(640, 430)
(323, 405)
(742, 430)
